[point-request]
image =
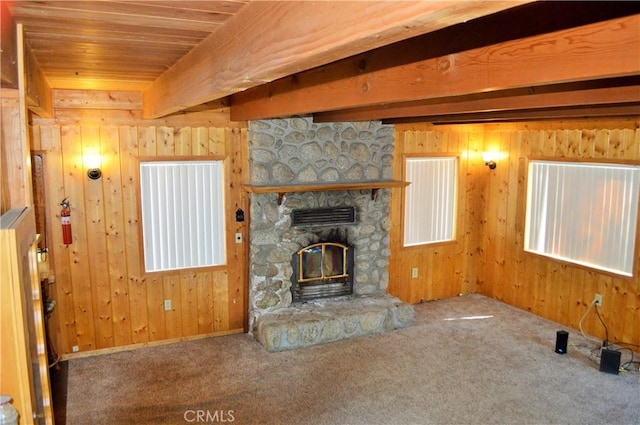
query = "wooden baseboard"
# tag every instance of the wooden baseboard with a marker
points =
(110, 350)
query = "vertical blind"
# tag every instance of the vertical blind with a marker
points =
(182, 214)
(430, 200)
(585, 213)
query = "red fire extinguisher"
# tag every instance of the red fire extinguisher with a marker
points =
(65, 217)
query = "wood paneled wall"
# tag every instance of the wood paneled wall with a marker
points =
(104, 299)
(14, 169)
(488, 256)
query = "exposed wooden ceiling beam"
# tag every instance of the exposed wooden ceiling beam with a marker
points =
(247, 51)
(578, 112)
(512, 100)
(594, 51)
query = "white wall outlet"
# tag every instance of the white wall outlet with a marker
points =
(75, 349)
(167, 305)
(414, 273)
(238, 237)
(597, 300)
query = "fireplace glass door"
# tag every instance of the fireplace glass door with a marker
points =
(322, 261)
(322, 270)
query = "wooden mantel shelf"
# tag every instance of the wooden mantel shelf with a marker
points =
(324, 186)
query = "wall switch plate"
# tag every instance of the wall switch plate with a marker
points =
(167, 305)
(414, 273)
(238, 237)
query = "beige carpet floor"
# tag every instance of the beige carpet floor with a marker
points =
(497, 368)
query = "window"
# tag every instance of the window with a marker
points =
(182, 205)
(430, 200)
(584, 213)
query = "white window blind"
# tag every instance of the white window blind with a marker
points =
(585, 213)
(430, 200)
(182, 206)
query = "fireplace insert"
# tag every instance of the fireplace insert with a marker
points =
(322, 270)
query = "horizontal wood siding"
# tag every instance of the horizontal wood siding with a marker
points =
(488, 256)
(104, 299)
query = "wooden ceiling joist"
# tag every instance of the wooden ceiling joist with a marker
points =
(577, 112)
(245, 52)
(600, 50)
(520, 100)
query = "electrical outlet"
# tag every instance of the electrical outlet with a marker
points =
(597, 300)
(167, 305)
(414, 273)
(75, 348)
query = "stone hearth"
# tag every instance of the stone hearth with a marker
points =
(293, 152)
(331, 319)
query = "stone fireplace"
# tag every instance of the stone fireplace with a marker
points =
(297, 152)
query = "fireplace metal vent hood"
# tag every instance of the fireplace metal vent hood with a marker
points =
(323, 216)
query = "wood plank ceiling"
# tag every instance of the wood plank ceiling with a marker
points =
(438, 61)
(115, 45)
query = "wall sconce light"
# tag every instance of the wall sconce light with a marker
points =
(92, 163)
(490, 160)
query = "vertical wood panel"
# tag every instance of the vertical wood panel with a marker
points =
(183, 141)
(493, 231)
(189, 304)
(200, 141)
(465, 234)
(396, 285)
(115, 234)
(137, 288)
(475, 202)
(80, 276)
(104, 298)
(173, 317)
(96, 242)
(221, 301)
(457, 278)
(204, 288)
(62, 290)
(236, 146)
(511, 239)
(626, 328)
(546, 301)
(14, 193)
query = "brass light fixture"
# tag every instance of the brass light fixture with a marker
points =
(490, 160)
(93, 163)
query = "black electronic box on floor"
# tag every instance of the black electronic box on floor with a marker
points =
(562, 337)
(609, 361)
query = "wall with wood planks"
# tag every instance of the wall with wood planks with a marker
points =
(14, 169)
(488, 256)
(104, 299)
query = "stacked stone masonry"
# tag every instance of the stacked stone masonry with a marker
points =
(297, 151)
